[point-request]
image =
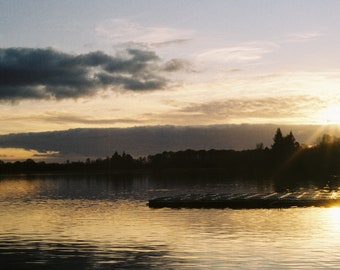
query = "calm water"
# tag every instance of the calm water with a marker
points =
(101, 222)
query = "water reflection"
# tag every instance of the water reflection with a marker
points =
(113, 187)
(36, 255)
(334, 213)
(102, 222)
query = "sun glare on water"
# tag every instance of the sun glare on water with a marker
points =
(330, 115)
(334, 213)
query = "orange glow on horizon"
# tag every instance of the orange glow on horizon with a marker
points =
(14, 154)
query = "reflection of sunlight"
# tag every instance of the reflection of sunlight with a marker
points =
(20, 188)
(334, 214)
(334, 195)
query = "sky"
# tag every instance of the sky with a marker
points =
(121, 64)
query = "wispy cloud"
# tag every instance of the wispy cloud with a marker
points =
(68, 118)
(240, 53)
(250, 110)
(171, 42)
(63, 118)
(28, 73)
(303, 37)
(122, 30)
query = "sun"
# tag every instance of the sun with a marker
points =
(330, 115)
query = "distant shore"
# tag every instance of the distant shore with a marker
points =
(286, 162)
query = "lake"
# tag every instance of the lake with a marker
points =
(103, 222)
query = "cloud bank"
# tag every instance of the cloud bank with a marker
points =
(35, 73)
(79, 144)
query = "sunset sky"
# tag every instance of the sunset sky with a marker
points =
(85, 63)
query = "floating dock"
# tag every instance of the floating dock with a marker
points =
(317, 198)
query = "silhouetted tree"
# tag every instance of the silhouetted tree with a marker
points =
(278, 138)
(284, 145)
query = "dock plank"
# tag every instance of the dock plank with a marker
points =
(249, 200)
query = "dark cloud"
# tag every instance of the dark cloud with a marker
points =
(175, 65)
(27, 73)
(46, 155)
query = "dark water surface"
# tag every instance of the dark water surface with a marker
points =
(102, 222)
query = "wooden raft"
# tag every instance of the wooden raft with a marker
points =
(250, 200)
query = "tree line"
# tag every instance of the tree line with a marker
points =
(284, 161)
